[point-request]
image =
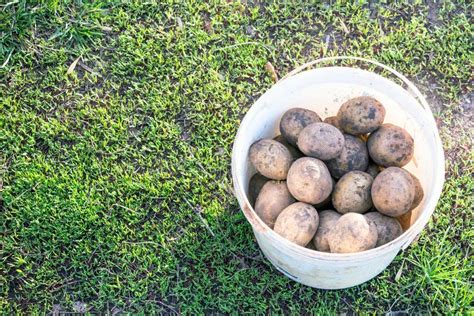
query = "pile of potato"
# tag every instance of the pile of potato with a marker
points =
(336, 185)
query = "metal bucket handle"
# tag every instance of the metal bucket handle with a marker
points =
(412, 89)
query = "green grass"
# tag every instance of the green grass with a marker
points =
(106, 171)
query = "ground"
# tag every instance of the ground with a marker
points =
(117, 122)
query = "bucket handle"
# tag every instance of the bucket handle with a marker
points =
(412, 89)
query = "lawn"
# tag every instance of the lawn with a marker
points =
(116, 127)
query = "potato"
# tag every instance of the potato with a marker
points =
(321, 140)
(352, 233)
(327, 220)
(352, 193)
(309, 180)
(310, 246)
(293, 122)
(393, 191)
(419, 193)
(390, 146)
(388, 228)
(255, 185)
(297, 223)
(361, 115)
(273, 198)
(333, 120)
(373, 169)
(295, 152)
(354, 156)
(271, 159)
(405, 219)
(327, 201)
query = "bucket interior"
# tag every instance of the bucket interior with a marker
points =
(324, 90)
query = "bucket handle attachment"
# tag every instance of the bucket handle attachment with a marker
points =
(412, 89)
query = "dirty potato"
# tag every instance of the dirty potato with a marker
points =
(273, 198)
(334, 121)
(297, 223)
(393, 191)
(352, 193)
(321, 140)
(352, 233)
(295, 152)
(361, 115)
(271, 158)
(390, 146)
(309, 180)
(419, 193)
(327, 220)
(405, 219)
(354, 156)
(327, 203)
(293, 122)
(310, 245)
(388, 228)
(255, 185)
(373, 169)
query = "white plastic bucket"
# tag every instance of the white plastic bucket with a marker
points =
(324, 90)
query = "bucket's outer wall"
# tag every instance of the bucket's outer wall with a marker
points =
(324, 90)
(328, 276)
